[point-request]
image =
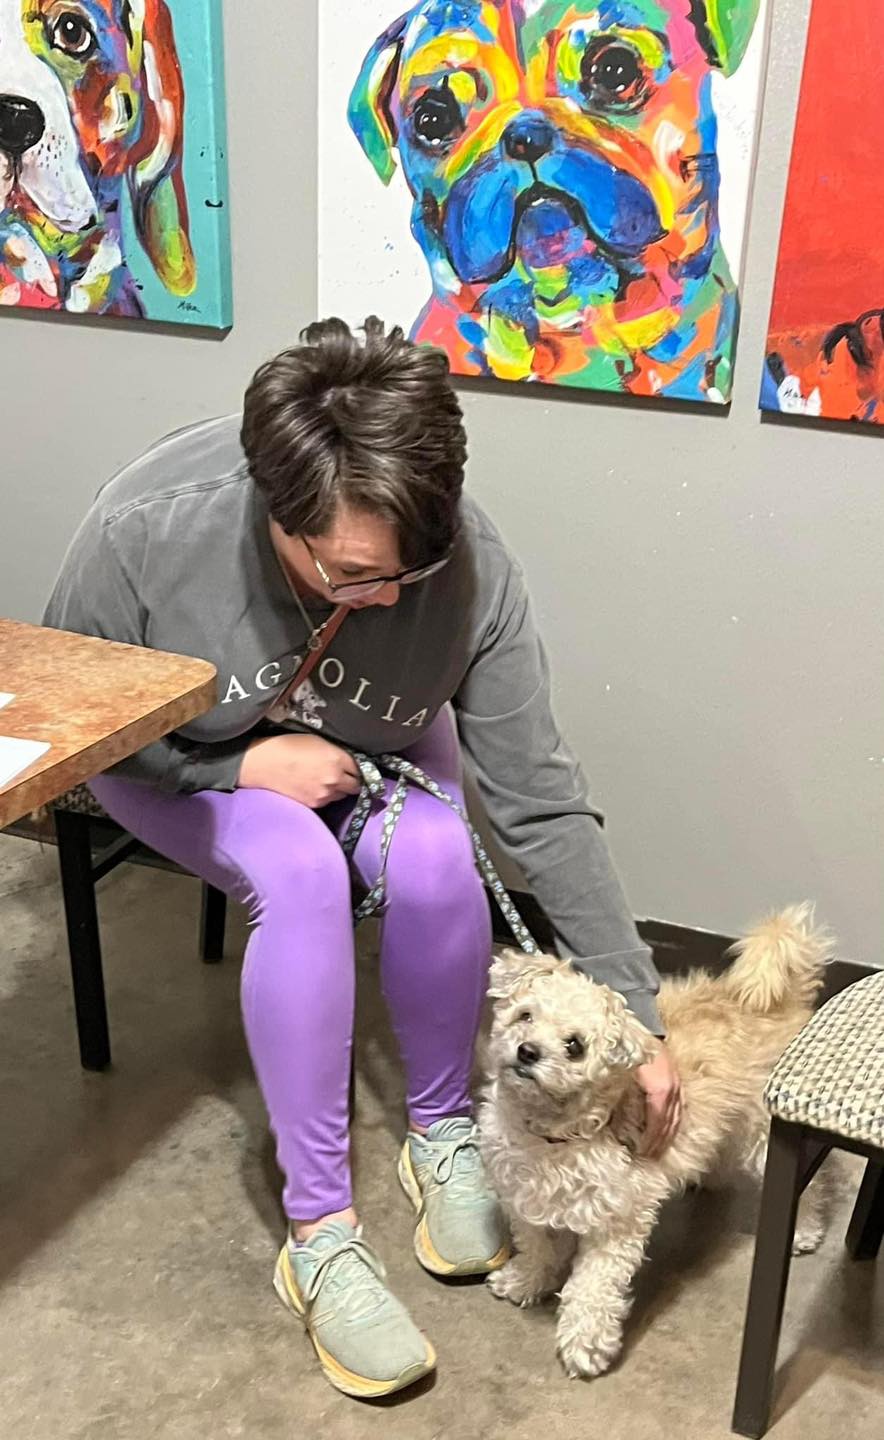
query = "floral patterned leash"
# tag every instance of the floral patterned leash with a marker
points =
(373, 789)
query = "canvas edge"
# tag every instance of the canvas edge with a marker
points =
(220, 316)
(762, 405)
(752, 161)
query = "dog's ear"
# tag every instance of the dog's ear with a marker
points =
(513, 968)
(725, 29)
(369, 108)
(508, 969)
(629, 1043)
(156, 179)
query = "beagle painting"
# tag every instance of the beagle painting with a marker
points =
(94, 123)
(564, 169)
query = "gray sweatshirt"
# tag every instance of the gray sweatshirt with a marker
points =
(176, 554)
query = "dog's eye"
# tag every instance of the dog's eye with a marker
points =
(575, 1047)
(436, 117)
(73, 34)
(612, 74)
(526, 1017)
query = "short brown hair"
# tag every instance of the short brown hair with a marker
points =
(374, 424)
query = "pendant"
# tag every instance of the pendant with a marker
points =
(315, 642)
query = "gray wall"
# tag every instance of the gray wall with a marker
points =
(710, 586)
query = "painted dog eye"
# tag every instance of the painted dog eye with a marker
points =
(575, 1047)
(612, 74)
(436, 117)
(73, 34)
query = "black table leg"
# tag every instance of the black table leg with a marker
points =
(84, 943)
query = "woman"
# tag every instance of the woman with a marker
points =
(318, 550)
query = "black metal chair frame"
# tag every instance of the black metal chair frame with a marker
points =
(84, 860)
(795, 1154)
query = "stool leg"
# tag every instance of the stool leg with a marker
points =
(770, 1275)
(213, 920)
(84, 942)
(866, 1229)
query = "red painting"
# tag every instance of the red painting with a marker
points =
(825, 352)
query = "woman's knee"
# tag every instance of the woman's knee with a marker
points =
(432, 865)
(285, 850)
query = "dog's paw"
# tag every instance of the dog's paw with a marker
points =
(588, 1339)
(516, 1282)
(807, 1239)
(584, 1357)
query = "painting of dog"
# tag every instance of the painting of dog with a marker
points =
(112, 174)
(825, 348)
(563, 165)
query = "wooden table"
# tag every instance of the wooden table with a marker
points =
(95, 702)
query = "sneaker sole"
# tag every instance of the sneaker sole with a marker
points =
(347, 1381)
(426, 1252)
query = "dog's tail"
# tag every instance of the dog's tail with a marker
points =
(780, 963)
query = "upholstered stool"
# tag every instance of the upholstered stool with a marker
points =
(826, 1092)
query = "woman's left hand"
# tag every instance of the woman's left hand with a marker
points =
(662, 1087)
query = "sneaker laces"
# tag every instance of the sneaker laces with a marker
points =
(360, 1274)
(459, 1166)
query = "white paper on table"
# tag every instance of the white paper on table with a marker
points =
(17, 755)
(5, 698)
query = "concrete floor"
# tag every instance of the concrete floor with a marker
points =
(139, 1226)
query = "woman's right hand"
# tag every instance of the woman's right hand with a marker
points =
(303, 767)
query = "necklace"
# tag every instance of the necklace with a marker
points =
(314, 632)
(314, 637)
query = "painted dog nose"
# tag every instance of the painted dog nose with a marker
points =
(528, 138)
(527, 1054)
(21, 125)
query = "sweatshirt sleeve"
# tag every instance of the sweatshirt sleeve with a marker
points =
(94, 596)
(536, 798)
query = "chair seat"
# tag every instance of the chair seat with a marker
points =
(832, 1075)
(80, 801)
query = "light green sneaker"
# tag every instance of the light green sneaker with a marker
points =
(461, 1229)
(366, 1341)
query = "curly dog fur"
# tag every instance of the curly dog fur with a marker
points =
(562, 1117)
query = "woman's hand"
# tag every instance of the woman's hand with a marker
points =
(662, 1088)
(303, 767)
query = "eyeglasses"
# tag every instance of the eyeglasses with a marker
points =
(356, 589)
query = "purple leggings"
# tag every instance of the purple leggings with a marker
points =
(286, 864)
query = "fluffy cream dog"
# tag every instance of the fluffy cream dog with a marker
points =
(561, 1120)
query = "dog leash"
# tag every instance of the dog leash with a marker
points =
(373, 789)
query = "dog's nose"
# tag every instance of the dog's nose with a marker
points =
(21, 125)
(527, 1054)
(528, 138)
